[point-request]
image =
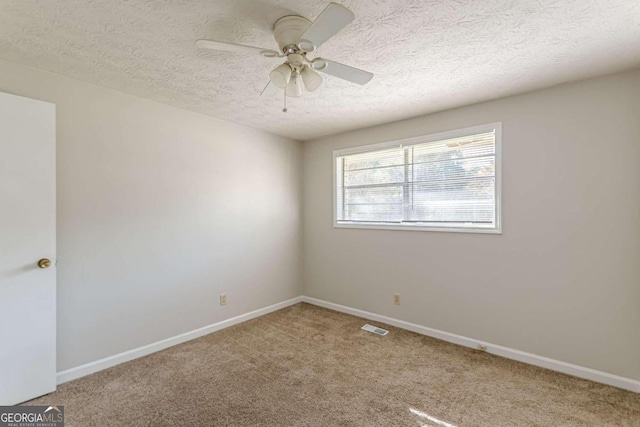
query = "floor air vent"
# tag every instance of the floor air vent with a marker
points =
(371, 328)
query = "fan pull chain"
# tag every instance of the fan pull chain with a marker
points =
(284, 110)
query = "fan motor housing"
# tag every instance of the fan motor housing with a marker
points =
(288, 30)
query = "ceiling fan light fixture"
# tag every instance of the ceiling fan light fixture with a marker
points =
(319, 64)
(311, 79)
(294, 88)
(281, 75)
(296, 37)
(307, 46)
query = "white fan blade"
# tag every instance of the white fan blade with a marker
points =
(232, 47)
(270, 89)
(345, 72)
(332, 19)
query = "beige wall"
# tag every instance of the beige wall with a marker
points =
(562, 281)
(159, 211)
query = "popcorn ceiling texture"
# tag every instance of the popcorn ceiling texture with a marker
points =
(426, 55)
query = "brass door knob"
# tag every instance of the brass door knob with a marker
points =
(44, 263)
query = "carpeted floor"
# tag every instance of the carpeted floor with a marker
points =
(308, 366)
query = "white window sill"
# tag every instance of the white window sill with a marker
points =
(407, 227)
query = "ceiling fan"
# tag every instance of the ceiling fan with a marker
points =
(296, 37)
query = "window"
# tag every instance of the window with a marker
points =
(445, 182)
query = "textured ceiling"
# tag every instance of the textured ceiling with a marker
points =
(426, 55)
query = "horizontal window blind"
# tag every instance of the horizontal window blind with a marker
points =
(448, 183)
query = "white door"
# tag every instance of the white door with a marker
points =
(27, 235)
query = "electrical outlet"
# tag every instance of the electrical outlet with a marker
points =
(396, 299)
(223, 299)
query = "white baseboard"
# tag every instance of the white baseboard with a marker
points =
(107, 362)
(521, 356)
(509, 353)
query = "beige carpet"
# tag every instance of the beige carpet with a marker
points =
(307, 366)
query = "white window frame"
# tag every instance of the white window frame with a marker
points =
(497, 127)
